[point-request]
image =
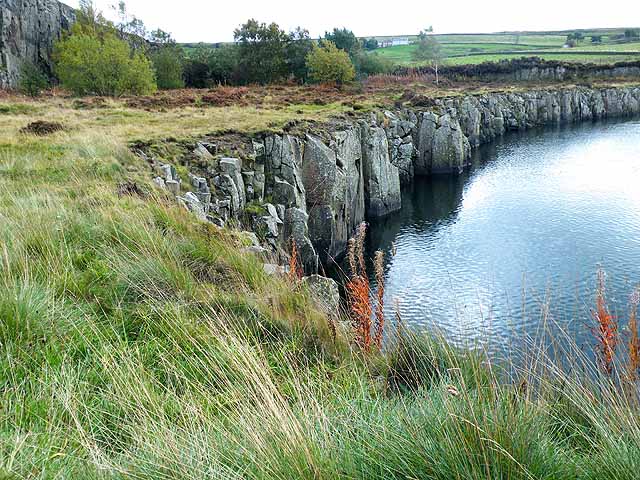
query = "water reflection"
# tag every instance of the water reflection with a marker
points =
(483, 255)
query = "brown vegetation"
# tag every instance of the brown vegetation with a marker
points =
(42, 128)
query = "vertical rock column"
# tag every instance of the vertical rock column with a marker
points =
(381, 177)
(334, 186)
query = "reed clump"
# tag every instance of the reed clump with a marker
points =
(359, 294)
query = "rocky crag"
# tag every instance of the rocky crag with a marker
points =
(28, 30)
(315, 188)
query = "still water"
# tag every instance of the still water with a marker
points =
(517, 241)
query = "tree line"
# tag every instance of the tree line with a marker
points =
(101, 57)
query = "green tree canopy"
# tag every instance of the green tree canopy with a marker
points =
(370, 43)
(98, 62)
(297, 50)
(262, 56)
(327, 63)
(169, 66)
(343, 39)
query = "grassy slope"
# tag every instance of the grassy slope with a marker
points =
(138, 343)
(471, 49)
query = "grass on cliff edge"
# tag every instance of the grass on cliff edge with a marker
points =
(136, 342)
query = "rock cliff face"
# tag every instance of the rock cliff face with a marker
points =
(317, 190)
(28, 30)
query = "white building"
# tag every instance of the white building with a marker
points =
(393, 42)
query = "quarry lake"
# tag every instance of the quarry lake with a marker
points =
(517, 240)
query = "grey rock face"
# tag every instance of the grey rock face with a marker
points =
(227, 190)
(295, 228)
(334, 185)
(232, 167)
(28, 30)
(283, 162)
(400, 134)
(450, 151)
(381, 177)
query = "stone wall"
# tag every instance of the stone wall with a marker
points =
(28, 30)
(317, 189)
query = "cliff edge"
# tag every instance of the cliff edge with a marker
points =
(28, 30)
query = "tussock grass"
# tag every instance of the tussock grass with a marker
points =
(136, 342)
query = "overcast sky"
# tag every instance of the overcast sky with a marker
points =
(215, 20)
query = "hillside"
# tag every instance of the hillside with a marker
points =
(460, 49)
(140, 342)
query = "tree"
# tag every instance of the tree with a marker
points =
(261, 52)
(32, 80)
(343, 39)
(428, 50)
(223, 62)
(631, 34)
(297, 50)
(370, 44)
(327, 63)
(574, 37)
(367, 64)
(168, 60)
(168, 65)
(196, 73)
(596, 38)
(131, 28)
(102, 64)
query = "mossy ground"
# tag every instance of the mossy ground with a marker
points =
(136, 342)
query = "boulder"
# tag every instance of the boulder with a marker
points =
(325, 292)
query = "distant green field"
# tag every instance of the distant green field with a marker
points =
(460, 49)
(577, 57)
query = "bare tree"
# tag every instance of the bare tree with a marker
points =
(429, 51)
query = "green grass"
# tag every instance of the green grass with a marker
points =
(136, 342)
(569, 57)
(478, 48)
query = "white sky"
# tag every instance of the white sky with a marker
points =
(215, 20)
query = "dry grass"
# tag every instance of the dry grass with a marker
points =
(295, 267)
(634, 339)
(606, 331)
(359, 294)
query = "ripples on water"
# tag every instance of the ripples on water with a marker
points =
(480, 255)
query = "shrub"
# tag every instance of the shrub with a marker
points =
(32, 80)
(367, 64)
(102, 65)
(329, 64)
(343, 39)
(168, 64)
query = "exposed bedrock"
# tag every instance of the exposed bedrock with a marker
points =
(28, 30)
(317, 188)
